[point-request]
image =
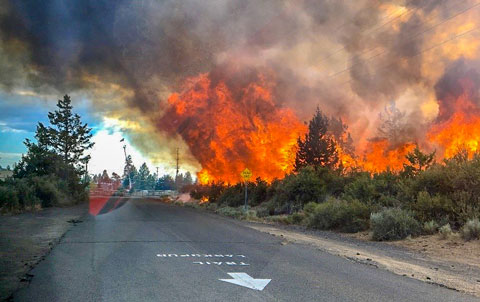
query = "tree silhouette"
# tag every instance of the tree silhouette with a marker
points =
(68, 136)
(317, 148)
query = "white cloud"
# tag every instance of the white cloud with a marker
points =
(6, 128)
(108, 153)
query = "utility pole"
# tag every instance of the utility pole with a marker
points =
(176, 172)
(128, 168)
(178, 167)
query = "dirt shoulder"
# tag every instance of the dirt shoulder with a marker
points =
(26, 238)
(417, 258)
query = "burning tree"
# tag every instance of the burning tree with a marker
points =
(418, 161)
(318, 148)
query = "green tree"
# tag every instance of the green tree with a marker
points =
(166, 182)
(67, 136)
(40, 160)
(129, 172)
(317, 148)
(417, 162)
(142, 177)
(187, 180)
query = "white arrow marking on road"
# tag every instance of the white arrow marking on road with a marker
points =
(244, 279)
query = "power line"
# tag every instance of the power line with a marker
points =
(376, 47)
(428, 49)
(376, 28)
(409, 40)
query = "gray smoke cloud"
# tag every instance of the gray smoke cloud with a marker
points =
(352, 58)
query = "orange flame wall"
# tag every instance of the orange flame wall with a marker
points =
(229, 129)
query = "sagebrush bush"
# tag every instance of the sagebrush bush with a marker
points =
(445, 231)
(430, 227)
(393, 224)
(230, 212)
(339, 215)
(211, 206)
(297, 218)
(471, 229)
(281, 219)
(191, 204)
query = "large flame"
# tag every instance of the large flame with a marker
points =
(229, 129)
(380, 156)
(460, 131)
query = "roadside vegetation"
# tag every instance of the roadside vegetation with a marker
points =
(52, 172)
(424, 198)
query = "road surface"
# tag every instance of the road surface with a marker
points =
(150, 251)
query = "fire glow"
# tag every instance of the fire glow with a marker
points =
(230, 128)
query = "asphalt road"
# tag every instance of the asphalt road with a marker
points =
(148, 251)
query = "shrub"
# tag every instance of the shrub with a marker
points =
(250, 215)
(445, 231)
(230, 212)
(47, 191)
(257, 192)
(471, 229)
(430, 227)
(178, 203)
(339, 215)
(263, 212)
(233, 196)
(380, 189)
(435, 207)
(8, 198)
(25, 193)
(297, 218)
(192, 205)
(295, 190)
(281, 219)
(211, 207)
(393, 224)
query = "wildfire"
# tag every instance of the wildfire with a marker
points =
(381, 157)
(231, 127)
(232, 123)
(460, 132)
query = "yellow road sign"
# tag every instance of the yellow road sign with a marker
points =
(246, 174)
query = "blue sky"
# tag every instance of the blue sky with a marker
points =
(19, 116)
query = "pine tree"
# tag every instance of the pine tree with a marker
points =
(67, 136)
(129, 172)
(317, 148)
(188, 180)
(142, 177)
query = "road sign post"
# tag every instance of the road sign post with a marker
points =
(246, 175)
(246, 196)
